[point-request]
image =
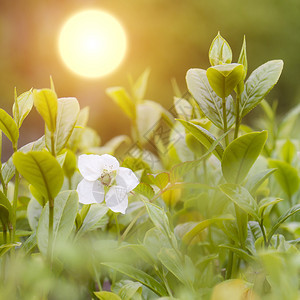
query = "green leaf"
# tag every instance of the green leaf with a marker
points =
(121, 97)
(95, 218)
(145, 190)
(241, 154)
(203, 136)
(70, 163)
(130, 289)
(81, 122)
(160, 180)
(241, 197)
(288, 151)
(286, 176)
(185, 273)
(282, 218)
(4, 216)
(7, 247)
(240, 252)
(219, 51)
(224, 78)
(67, 113)
(22, 107)
(208, 101)
(29, 244)
(41, 170)
(34, 210)
(256, 180)
(243, 57)
(8, 169)
(65, 210)
(259, 84)
(5, 203)
(140, 276)
(106, 296)
(9, 127)
(200, 226)
(139, 88)
(288, 123)
(178, 171)
(45, 101)
(266, 202)
(183, 108)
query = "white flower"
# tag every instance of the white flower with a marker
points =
(103, 177)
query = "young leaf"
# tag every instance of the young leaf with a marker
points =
(259, 84)
(9, 127)
(224, 78)
(107, 296)
(286, 176)
(220, 51)
(45, 101)
(129, 290)
(145, 190)
(67, 113)
(254, 181)
(160, 180)
(203, 136)
(288, 151)
(189, 236)
(65, 210)
(169, 258)
(22, 107)
(140, 276)
(70, 163)
(6, 204)
(241, 197)
(243, 57)
(183, 108)
(139, 88)
(282, 218)
(120, 96)
(41, 170)
(208, 101)
(95, 218)
(241, 154)
(266, 202)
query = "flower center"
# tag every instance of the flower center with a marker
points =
(107, 178)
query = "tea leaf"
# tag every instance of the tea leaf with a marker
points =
(243, 57)
(106, 296)
(219, 51)
(241, 154)
(266, 202)
(208, 101)
(240, 252)
(130, 289)
(286, 176)
(288, 151)
(204, 136)
(241, 197)
(145, 190)
(22, 107)
(224, 78)
(282, 218)
(120, 96)
(140, 276)
(67, 113)
(259, 84)
(257, 179)
(287, 124)
(9, 127)
(65, 210)
(45, 101)
(41, 170)
(139, 87)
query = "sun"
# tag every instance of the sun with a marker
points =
(92, 43)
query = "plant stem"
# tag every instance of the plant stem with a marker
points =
(237, 117)
(15, 202)
(118, 228)
(225, 120)
(3, 183)
(50, 230)
(229, 265)
(261, 224)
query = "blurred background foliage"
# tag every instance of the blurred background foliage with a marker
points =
(168, 36)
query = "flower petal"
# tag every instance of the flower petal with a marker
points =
(127, 179)
(110, 163)
(116, 199)
(90, 192)
(90, 166)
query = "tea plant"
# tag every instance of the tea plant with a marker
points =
(194, 205)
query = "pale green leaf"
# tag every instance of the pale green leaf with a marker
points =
(45, 101)
(65, 210)
(41, 170)
(208, 101)
(145, 190)
(9, 127)
(103, 295)
(139, 87)
(219, 51)
(241, 154)
(259, 84)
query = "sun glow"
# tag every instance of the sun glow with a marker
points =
(92, 43)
